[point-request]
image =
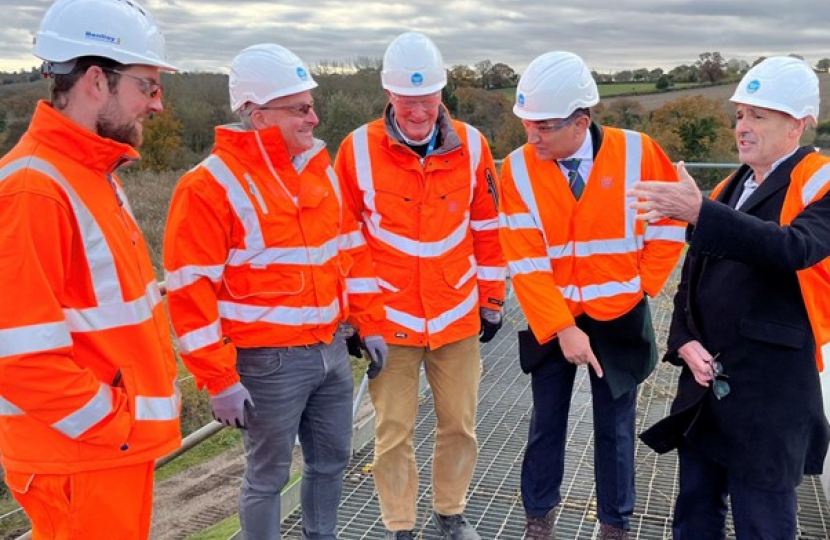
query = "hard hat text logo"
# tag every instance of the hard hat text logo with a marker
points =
(102, 37)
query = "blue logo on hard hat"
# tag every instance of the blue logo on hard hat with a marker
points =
(301, 73)
(417, 79)
(521, 100)
(753, 86)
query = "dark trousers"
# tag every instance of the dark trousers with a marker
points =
(544, 459)
(700, 510)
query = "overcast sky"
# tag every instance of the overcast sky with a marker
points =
(610, 35)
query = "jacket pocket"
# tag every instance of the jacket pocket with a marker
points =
(395, 273)
(459, 271)
(773, 332)
(246, 282)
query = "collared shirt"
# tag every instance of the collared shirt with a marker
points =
(750, 185)
(586, 154)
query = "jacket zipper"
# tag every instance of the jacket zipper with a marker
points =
(255, 192)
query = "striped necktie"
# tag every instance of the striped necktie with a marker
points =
(575, 180)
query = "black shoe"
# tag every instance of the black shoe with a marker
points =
(399, 535)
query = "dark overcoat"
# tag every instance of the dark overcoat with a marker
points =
(740, 297)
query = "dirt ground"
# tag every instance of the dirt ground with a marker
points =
(208, 493)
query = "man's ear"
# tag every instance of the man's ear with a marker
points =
(94, 82)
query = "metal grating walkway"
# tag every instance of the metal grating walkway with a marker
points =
(494, 505)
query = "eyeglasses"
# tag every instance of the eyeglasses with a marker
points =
(720, 385)
(301, 109)
(148, 87)
(409, 103)
(546, 127)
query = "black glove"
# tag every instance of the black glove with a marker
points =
(488, 326)
(353, 344)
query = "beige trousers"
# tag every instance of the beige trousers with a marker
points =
(453, 372)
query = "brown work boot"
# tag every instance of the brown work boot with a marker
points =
(541, 528)
(609, 532)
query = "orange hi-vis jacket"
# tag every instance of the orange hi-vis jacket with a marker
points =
(809, 182)
(87, 370)
(432, 226)
(568, 257)
(258, 254)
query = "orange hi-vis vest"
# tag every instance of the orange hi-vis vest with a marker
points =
(87, 370)
(568, 257)
(432, 226)
(809, 182)
(258, 254)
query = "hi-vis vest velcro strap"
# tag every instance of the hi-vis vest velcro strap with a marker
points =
(629, 243)
(411, 246)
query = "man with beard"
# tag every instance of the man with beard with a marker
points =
(82, 416)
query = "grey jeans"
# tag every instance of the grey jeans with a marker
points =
(305, 391)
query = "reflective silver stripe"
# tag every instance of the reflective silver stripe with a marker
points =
(313, 256)
(492, 273)
(522, 180)
(114, 315)
(528, 266)
(187, 275)
(633, 165)
(406, 320)
(516, 222)
(611, 288)
(485, 224)
(672, 233)
(437, 324)
(815, 184)
(606, 247)
(571, 292)
(474, 146)
(388, 286)
(34, 338)
(288, 316)
(561, 251)
(7, 408)
(99, 257)
(362, 285)
(451, 315)
(95, 410)
(363, 167)
(351, 240)
(335, 185)
(158, 408)
(468, 274)
(239, 200)
(201, 337)
(825, 354)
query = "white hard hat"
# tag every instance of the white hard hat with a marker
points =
(554, 86)
(264, 72)
(781, 83)
(412, 66)
(120, 30)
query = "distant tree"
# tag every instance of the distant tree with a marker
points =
(793, 55)
(510, 135)
(484, 67)
(684, 74)
(655, 74)
(503, 76)
(711, 66)
(623, 76)
(664, 82)
(449, 100)
(462, 75)
(3, 120)
(601, 78)
(485, 110)
(736, 68)
(162, 142)
(624, 113)
(693, 129)
(640, 74)
(823, 65)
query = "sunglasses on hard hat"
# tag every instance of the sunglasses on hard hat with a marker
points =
(148, 87)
